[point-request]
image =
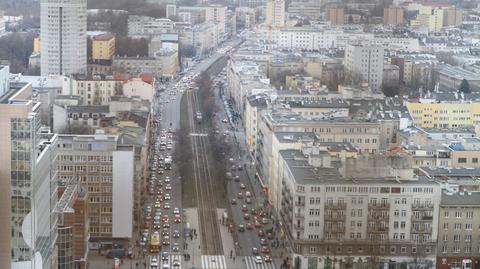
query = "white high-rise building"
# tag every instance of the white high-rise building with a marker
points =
(275, 13)
(63, 27)
(365, 60)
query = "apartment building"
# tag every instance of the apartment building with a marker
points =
(144, 26)
(458, 233)
(445, 110)
(142, 87)
(106, 169)
(68, 118)
(393, 16)
(356, 218)
(311, 10)
(203, 37)
(4, 78)
(63, 28)
(253, 106)
(365, 61)
(450, 77)
(453, 17)
(28, 187)
(245, 18)
(103, 47)
(275, 13)
(336, 15)
(163, 64)
(94, 90)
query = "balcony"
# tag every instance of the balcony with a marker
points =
(378, 217)
(377, 229)
(299, 203)
(341, 206)
(422, 218)
(380, 206)
(421, 230)
(422, 206)
(334, 217)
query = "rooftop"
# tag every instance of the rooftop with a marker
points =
(103, 37)
(88, 109)
(471, 199)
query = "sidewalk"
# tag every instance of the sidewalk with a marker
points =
(193, 245)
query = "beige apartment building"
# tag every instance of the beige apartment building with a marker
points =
(458, 244)
(96, 90)
(336, 15)
(362, 214)
(393, 16)
(106, 169)
(275, 13)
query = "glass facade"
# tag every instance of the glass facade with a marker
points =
(65, 248)
(34, 192)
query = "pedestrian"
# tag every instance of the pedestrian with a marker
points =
(233, 259)
(198, 246)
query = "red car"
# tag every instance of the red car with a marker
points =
(165, 218)
(265, 249)
(177, 219)
(268, 258)
(257, 224)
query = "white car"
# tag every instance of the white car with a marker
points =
(168, 187)
(154, 262)
(258, 260)
(176, 210)
(167, 196)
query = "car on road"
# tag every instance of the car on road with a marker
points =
(265, 249)
(176, 234)
(268, 258)
(248, 200)
(233, 201)
(165, 219)
(246, 216)
(255, 251)
(165, 256)
(248, 194)
(258, 260)
(264, 221)
(242, 186)
(177, 219)
(225, 121)
(166, 206)
(240, 195)
(263, 242)
(175, 247)
(261, 233)
(154, 262)
(168, 187)
(244, 208)
(249, 226)
(176, 210)
(257, 224)
(241, 228)
(167, 196)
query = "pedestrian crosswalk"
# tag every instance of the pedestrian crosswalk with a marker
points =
(214, 262)
(173, 261)
(252, 264)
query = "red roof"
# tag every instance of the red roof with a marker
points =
(148, 78)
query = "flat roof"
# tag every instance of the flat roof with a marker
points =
(470, 199)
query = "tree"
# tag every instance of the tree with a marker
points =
(390, 90)
(127, 46)
(464, 86)
(17, 48)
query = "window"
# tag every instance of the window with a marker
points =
(458, 226)
(445, 226)
(468, 238)
(403, 250)
(462, 160)
(474, 160)
(392, 250)
(458, 214)
(313, 250)
(468, 226)
(445, 237)
(456, 237)
(445, 215)
(469, 215)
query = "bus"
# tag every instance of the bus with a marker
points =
(155, 243)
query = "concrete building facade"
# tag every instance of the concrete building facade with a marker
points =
(275, 13)
(366, 62)
(63, 28)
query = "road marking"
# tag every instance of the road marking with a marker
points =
(250, 262)
(214, 262)
(195, 134)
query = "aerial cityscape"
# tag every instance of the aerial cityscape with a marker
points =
(240, 134)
